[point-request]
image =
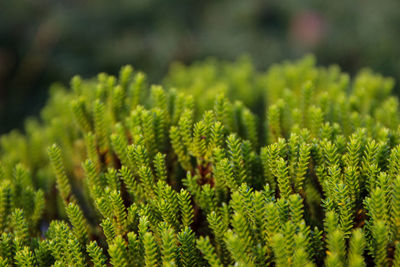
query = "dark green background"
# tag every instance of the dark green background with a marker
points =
(44, 41)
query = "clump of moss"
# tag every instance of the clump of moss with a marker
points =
(221, 165)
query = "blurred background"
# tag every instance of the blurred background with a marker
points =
(44, 41)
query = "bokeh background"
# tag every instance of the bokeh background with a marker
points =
(44, 41)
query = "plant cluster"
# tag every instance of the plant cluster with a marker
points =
(221, 166)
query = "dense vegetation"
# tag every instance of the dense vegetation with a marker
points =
(221, 165)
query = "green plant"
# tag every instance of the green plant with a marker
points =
(304, 172)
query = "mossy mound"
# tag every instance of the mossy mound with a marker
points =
(221, 165)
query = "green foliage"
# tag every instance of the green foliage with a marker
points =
(158, 177)
(96, 254)
(79, 224)
(61, 176)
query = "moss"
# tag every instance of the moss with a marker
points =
(298, 165)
